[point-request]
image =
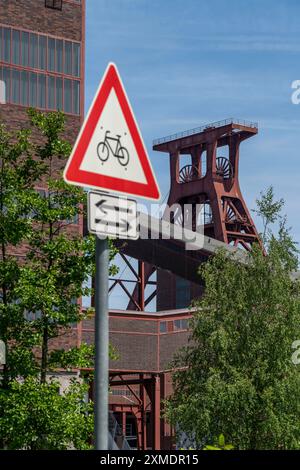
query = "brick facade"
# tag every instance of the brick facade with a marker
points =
(68, 24)
(15, 117)
(138, 341)
(33, 15)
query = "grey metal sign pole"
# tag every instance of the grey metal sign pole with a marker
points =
(101, 345)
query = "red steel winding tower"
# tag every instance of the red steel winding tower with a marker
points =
(211, 179)
(208, 184)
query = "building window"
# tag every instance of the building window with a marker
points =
(38, 90)
(163, 326)
(38, 51)
(51, 54)
(15, 53)
(33, 51)
(76, 97)
(121, 392)
(51, 92)
(33, 89)
(68, 95)
(68, 58)
(6, 44)
(76, 60)
(41, 91)
(24, 48)
(182, 324)
(24, 88)
(32, 316)
(59, 94)
(6, 78)
(59, 55)
(15, 86)
(129, 430)
(54, 4)
(42, 52)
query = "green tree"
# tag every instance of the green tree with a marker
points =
(40, 416)
(269, 210)
(39, 291)
(239, 378)
(18, 173)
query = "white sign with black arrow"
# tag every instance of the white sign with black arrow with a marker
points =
(112, 216)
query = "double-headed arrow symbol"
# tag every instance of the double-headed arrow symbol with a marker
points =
(102, 206)
(124, 225)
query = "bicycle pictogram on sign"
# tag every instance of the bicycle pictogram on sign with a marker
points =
(106, 148)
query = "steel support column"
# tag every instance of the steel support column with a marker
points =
(143, 412)
(142, 285)
(124, 423)
(156, 413)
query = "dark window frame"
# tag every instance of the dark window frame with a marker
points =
(54, 4)
(66, 52)
(163, 327)
(181, 324)
(68, 88)
(34, 87)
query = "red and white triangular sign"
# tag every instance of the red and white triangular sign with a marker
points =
(109, 152)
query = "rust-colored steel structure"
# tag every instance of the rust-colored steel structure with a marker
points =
(211, 179)
(141, 378)
(204, 192)
(141, 301)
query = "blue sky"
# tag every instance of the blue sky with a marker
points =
(185, 63)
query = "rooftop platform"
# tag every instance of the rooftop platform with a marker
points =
(248, 128)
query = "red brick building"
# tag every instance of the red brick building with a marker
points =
(42, 65)
(42, 59)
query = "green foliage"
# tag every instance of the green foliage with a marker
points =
(239, 377)
(39, 292)
(36, 416)
(81, 357)
(268, 210)
(219, 444)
